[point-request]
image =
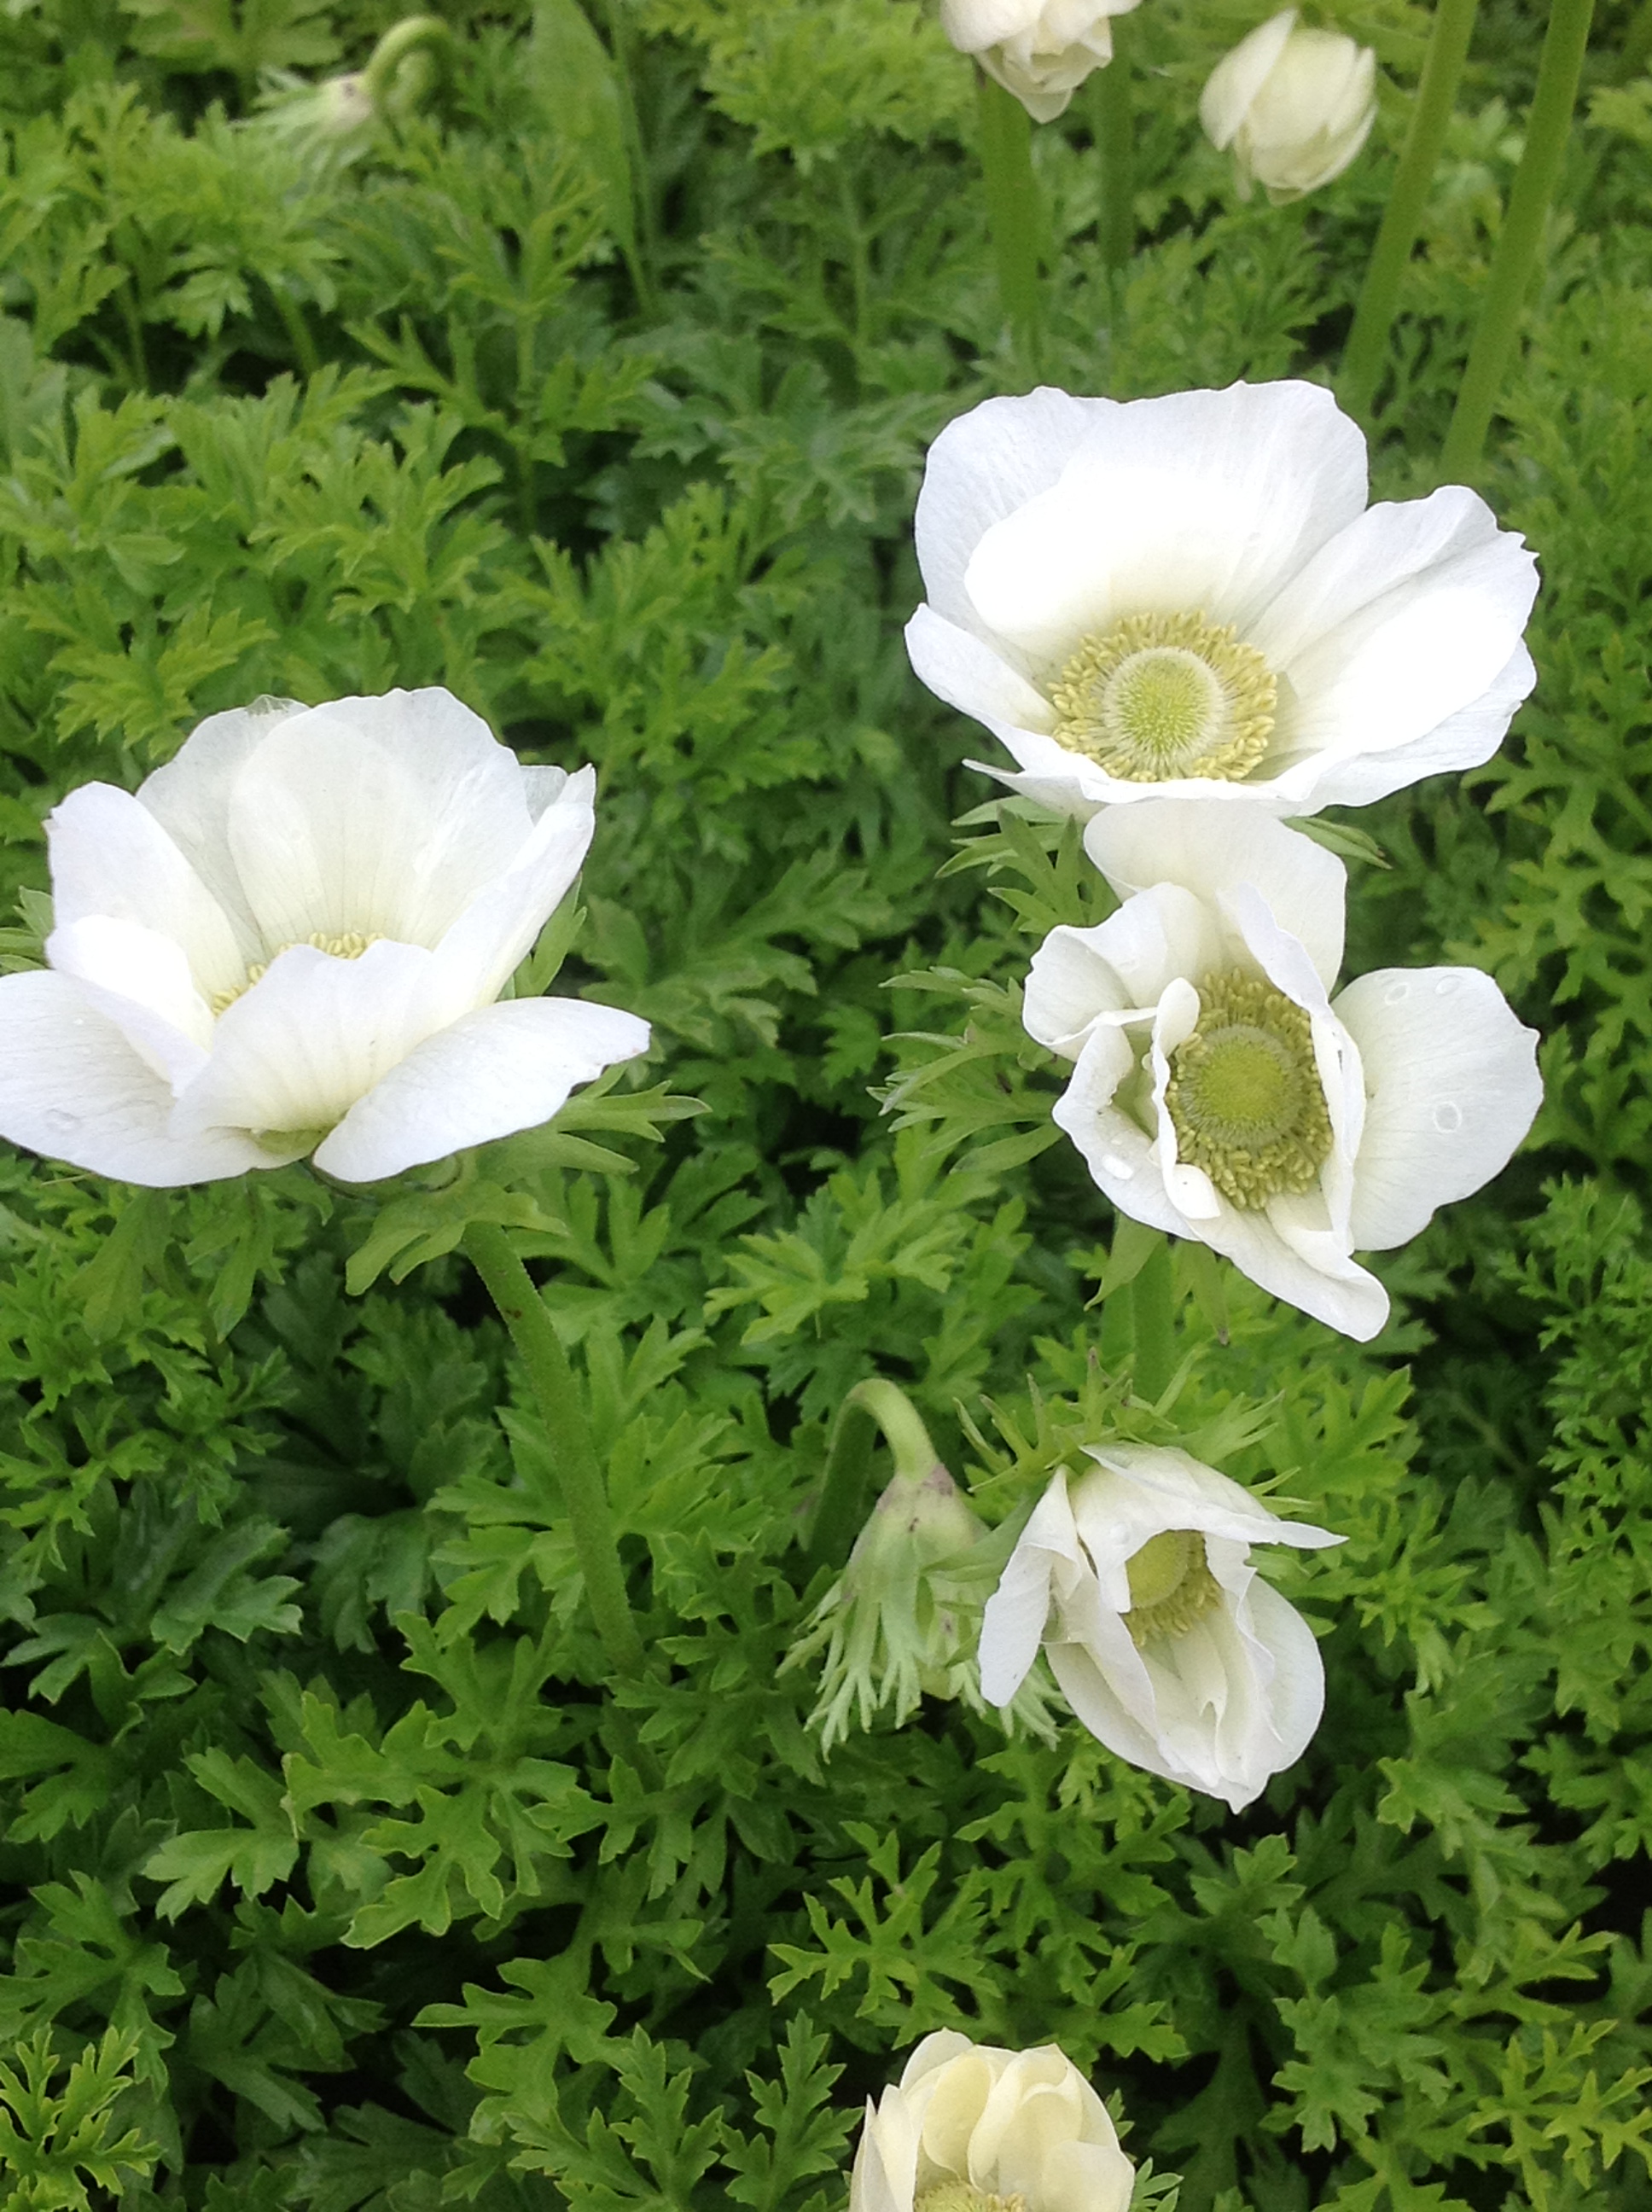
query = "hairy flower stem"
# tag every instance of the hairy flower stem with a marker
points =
(1112, 123)
(573, 1455)
(1152, 1308)
(1367, 349)
(1013, 214)
(410, 36)
(869, 1407)
(1520, 241)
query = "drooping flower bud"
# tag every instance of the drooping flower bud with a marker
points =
(336, 121)
(972, 2128)
(1040, 50)
(1294, 105)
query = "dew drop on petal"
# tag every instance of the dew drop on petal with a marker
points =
(60, 1122)
(1396, 994)
(1447, 1118)
(1113, 1165)
(1445, 986)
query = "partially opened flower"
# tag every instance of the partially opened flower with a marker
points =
(971, 2127)
(1219, 1092)
(1295, 105)
(291, 940)
(1137, 1581)
(1040, 50)
(1188, 596)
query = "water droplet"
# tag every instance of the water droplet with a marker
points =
(60, 1122)
(1447, 1118)
(1445, 986)
(1113, 1165)
(1396, 994)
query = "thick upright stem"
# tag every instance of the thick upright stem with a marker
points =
(1367, 349)
(1111, 122)
(573, 1455)
(1520, 241)
(1153, 1300)
(1012, 212)
(869, 1407)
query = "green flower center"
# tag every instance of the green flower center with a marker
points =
(964, 2196)
(1171, 1585)
(1163, 695)
(1244, 1094)
(351, 945)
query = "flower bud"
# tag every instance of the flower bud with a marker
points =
(1294, 105)
(971, 2128)
(1040, 50)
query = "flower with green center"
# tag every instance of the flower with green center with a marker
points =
(1219, 1092)
(971, 2127)
(1136, 1578)
(1189, 597)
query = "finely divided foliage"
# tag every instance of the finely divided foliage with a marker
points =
(584, 364)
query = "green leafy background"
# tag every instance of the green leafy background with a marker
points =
(334, 1873)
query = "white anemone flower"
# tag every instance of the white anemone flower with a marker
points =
(971, 2127)
(1218, 1092)
(1040, 50)
(1189, 597)
(1296, 106)
(1168, 1646)
(291, 941)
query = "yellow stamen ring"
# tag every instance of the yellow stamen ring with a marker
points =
(1158, 696)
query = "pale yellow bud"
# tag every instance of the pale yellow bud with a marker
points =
(1040, 50)
(1294, 105)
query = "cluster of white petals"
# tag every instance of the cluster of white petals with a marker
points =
(291, 940)
(1137, 1581)
(972, 2128)
(1294, 105)
(1188, 595)
(1040, 50)
(1409, 1089)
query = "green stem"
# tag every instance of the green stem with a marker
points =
(869, 1407)
(573, 1455)
(1520, 241)
(1367, 349)
(400, 40)
(1153, 1303)
(1112, 125)
(1012, 212)
(640, 264)
(1636, 49)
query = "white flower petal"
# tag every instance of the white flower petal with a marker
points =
(1296, 1692)
(502, 1069)
(982, 466)
(1463, 740)
(886, 2175)
(1156, 1486)
(312, 1036)
(1335, 1288)
(384, 816)
(1452, 1087)
(142, 982)
(1238, 78)
(966, 672)
(1407, 618)
(110, 856)
(189, 798)
(1204, 501)
(1012, 1624)
(1116, 1149)
(1209, 849)
(478, 952)
(73, 1088)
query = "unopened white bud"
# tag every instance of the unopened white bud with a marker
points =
(1040, 50)
(1295, 106)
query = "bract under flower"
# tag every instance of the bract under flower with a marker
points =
(291, 941)
(971, 2127)
(1219, 1093)
(1137, 1581)
(1189, 597)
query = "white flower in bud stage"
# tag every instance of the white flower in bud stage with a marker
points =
(1137, 1582)
(1189, 597)
(1294, 105)
(291, 940)
(900, 1622)
(1219, 1092)
(1040, 50)
(973, 2128)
